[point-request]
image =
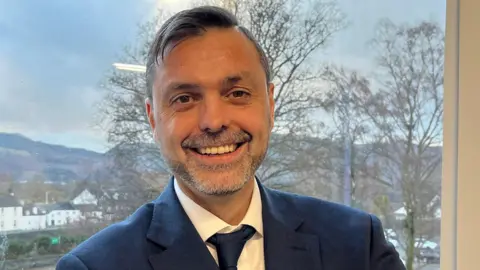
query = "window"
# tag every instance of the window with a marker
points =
(370, 135)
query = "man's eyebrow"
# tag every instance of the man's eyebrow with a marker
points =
(227, 82)
(182, 86)
(235, 78)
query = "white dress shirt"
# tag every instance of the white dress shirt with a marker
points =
(207, 224)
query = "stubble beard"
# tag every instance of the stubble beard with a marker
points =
(230, 179)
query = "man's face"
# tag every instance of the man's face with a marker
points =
(212, 111)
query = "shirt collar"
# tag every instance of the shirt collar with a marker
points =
(207, 224)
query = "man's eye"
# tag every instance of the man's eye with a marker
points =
(239, 94)
(183, 99)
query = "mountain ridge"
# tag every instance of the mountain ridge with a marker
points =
(25, 159)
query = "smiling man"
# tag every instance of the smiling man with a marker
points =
(211, 108)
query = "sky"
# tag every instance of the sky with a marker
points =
(54, 53)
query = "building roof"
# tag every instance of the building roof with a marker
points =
(118, 193)
(85, 185)
(86, 208)
(28, 210)
(61, 206)
(9, 201)
(43, 209)
(56, 206)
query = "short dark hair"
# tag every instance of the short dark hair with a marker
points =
(194, 22)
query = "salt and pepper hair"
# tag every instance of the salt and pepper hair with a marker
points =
(190, 23)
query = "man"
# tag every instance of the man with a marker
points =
(211, 108)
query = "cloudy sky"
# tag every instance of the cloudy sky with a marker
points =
(53, 54)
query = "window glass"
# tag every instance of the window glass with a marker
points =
(358, 121)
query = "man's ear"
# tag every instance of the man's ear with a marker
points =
(150, 112)
(271, 99)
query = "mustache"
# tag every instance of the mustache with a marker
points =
(217, 139)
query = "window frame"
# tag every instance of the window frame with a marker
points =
(461, 151)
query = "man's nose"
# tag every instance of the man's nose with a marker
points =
(213, 115)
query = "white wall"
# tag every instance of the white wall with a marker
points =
(10, 218)
(62, 217)
(36, 222)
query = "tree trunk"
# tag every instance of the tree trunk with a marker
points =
(410, 235)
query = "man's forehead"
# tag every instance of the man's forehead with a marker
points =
(211, 58)
(212, 45)
(215, 67)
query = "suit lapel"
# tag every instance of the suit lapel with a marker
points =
(180, 245)
(285, 247)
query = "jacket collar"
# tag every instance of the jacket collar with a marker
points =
(183, 248)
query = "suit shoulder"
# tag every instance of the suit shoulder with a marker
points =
(323, 206)
(317, 211)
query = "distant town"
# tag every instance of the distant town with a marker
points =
(16, 215)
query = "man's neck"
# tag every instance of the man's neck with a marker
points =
(230, 208)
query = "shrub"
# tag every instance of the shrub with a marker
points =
(18, 249)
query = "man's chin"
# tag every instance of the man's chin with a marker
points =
(219, 184)
(220, 192)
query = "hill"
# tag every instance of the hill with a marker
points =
(24, 159)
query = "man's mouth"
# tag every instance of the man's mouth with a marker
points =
(218, 150)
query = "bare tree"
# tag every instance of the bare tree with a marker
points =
(6, 183)
(122, 186)
(291, 32)
(123, 116)
(407, 112)
(351, 129)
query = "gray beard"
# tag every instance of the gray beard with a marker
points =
(182, 173)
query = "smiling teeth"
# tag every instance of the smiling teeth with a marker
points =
(218, 150)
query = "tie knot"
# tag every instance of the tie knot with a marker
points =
(230, 245)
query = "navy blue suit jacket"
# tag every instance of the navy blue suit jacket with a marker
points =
(300, 233)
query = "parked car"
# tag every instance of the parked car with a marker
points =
(429, 256)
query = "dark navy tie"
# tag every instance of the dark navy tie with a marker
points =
(230, 245)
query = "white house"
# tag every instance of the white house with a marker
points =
(14, 216)
(59, 214)
(33, 218)
(41, 216)
(84, 197)
(10, 213)
(62, 214)
(401, 213)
